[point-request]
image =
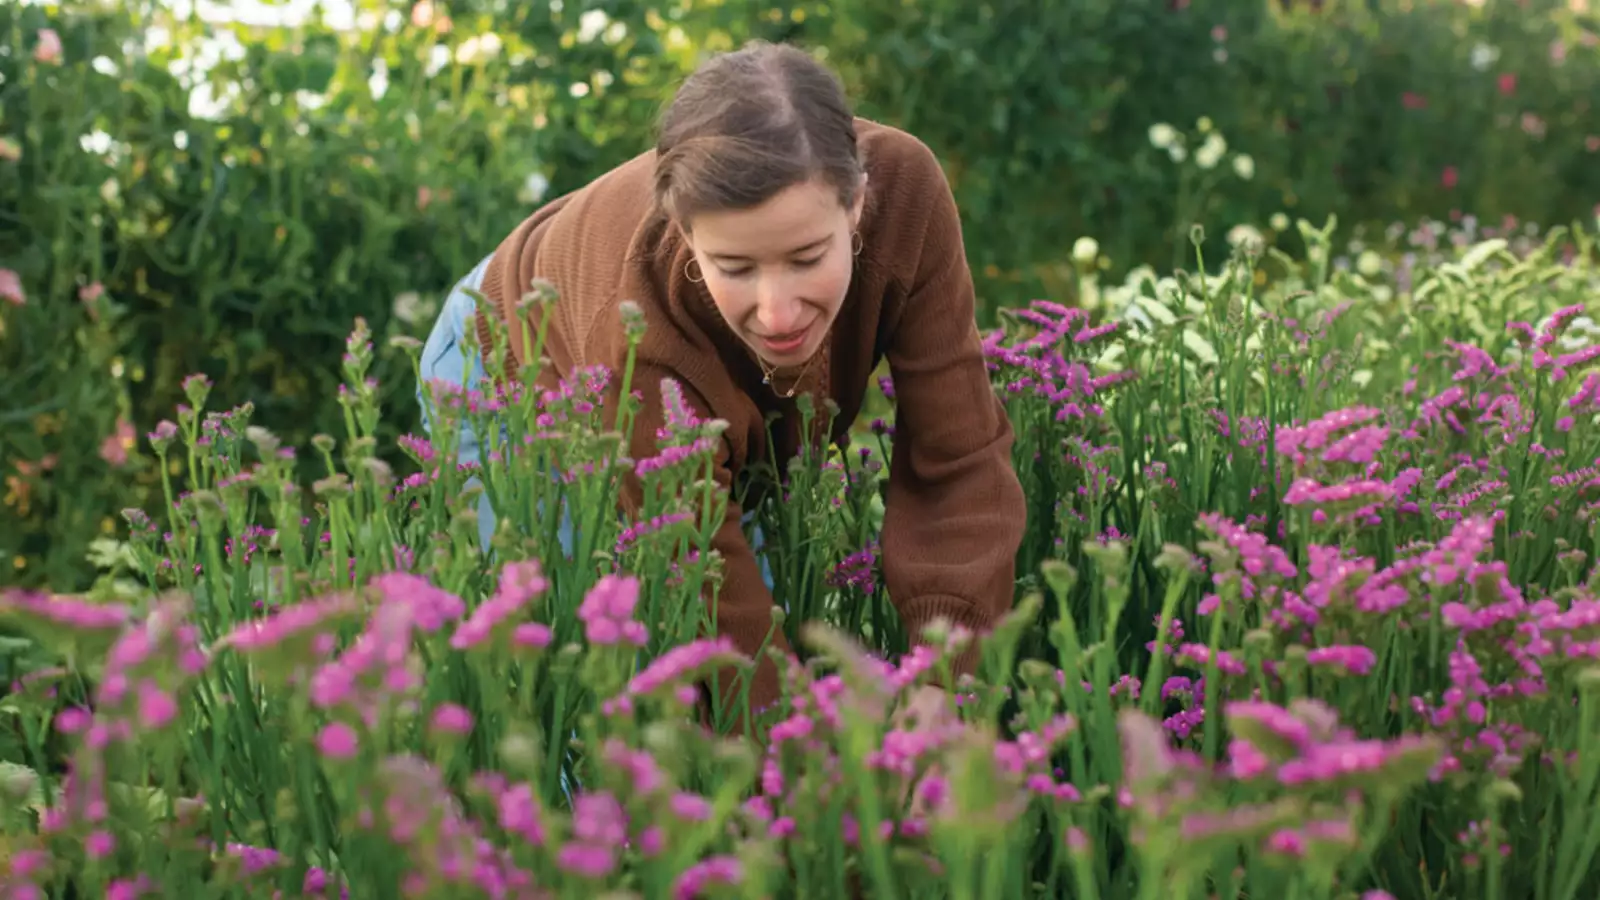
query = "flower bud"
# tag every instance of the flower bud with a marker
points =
(633, 323)
(1589, 680)
(1501, 791)
(266, 442)
(520, 751)
(337, 483)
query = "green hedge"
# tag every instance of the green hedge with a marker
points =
(243, 242)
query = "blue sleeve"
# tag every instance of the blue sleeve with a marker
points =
(442, 358)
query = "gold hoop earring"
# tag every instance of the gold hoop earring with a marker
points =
(856, 242)
(696, 263)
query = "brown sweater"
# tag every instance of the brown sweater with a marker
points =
(954, 513)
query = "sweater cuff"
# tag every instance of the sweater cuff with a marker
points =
(920, 612)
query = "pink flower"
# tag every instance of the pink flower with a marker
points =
(519, 582)
(99, 844)
(128, 888)
(607, 612)
(11, 287)
(337, 741)
(91, 292)
(114, 449)
(531, 634)
(1356, 659)
(690, 807)
(519, 813)
(157, 709)
(452, 719)
(1449, 178)
(716, 870)
(587, 860)
(1508, 83)
(48, 50)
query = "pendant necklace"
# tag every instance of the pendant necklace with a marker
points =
(767, 374)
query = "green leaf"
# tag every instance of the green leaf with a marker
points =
(21, 780)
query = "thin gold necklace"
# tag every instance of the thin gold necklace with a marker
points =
(767, 374)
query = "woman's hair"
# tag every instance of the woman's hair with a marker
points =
(750, 123)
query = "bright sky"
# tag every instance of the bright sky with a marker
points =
(338, 13)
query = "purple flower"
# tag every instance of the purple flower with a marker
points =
(726, 870)
(1355, 659)
(607, 612)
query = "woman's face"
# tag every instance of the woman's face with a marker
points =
(778, 272)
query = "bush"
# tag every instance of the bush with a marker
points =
(1308, 610)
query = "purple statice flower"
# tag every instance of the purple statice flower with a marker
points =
(715, 870)
(1458, 552)
(1475, 362)
(305, 620)
(598, 818)
(520, 582)
(430, 607)
(1267, 722)
(451, 718)
(1256, 557)
(66, 612)
(1354, 659)
(1240, 820)
(636, 532)
(607, 612)
(678, 417)
(681, 662)
(643, 773)
(337, 740)
(671, 457)
(1359, 446)
(519, 813)
(1199, 655)
(857, 571)
(1297, 442)
(1308, 492)
(418, 448)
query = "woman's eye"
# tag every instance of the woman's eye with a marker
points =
(735, 273)
(808, 263)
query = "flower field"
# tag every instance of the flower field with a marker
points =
(1307, 610)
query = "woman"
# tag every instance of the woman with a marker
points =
(778, 245)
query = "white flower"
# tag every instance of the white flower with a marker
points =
(1244, 166)
(591, 25)
(408, 307)
(1210, 152)
(1243, 234)
(1085, 250)
(1484, 56)
(1177, 153)
(533, 188)
(1369, 264)
(478, 48)
(1279, 222)
(1163, 136)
